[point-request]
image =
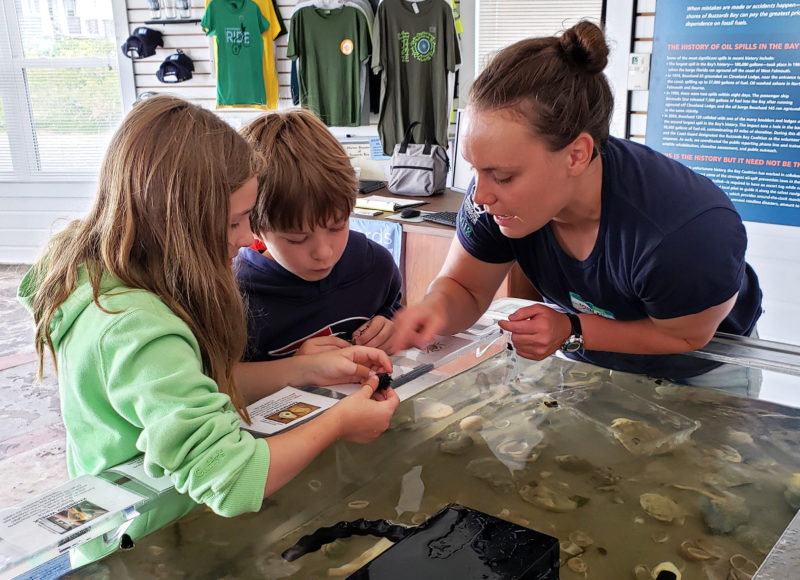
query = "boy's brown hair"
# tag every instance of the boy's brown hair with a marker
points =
(308, 180)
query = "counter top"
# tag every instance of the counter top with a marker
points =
(448, 201)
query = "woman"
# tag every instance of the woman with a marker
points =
(138, 306)
(645, 256)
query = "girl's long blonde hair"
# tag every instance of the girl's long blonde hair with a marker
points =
(160, 222)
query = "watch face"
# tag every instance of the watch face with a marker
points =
(572, 344)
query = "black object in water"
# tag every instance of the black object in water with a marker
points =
(456, 542)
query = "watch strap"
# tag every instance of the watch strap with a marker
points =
(576, 324)
(574, 341)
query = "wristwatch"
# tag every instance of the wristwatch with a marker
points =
(574, 341)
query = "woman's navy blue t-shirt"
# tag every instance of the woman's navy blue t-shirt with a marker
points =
(670, 244)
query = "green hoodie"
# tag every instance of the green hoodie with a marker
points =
(131, 381)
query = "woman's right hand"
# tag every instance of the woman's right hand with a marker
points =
(365, 414)
(417, 325)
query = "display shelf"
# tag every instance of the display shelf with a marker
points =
(173, 21)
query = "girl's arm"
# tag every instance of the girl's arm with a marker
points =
(357, 418)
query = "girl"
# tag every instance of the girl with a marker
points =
(138, 306)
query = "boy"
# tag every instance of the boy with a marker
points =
(315, 279)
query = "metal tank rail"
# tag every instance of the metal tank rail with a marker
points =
(764, 354)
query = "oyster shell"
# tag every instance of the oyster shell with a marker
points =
(638, 437)
(725, 512)
(792, 491)
(457, 443)
(493, 472)
(548, 498)
(661, 508)
(573, 463)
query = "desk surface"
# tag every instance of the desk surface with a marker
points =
(447, 201)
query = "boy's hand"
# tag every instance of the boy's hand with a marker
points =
(320, 344)
(376, 332)
(365, 414)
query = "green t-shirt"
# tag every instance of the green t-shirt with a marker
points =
(330, 46)
(238, 26)
(415, 46)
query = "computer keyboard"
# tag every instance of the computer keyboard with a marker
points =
(370, 185)
(446, 218)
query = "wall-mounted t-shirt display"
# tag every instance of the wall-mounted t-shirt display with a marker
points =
(269, 10)
(415, 47)
(238, 26)
(330, 46)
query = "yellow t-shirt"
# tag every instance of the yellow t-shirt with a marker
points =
(270, 71)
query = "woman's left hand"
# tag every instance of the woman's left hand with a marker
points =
(537, 331)
(377, 332)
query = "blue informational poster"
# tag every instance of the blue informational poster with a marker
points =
(387, 234)
(725, 100)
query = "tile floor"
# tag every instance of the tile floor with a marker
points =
(31, 433)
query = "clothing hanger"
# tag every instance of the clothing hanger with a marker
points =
(329, 4)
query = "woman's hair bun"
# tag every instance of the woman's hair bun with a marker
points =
(585, 46)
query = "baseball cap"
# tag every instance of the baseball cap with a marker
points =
(142, 43)
(175, 68)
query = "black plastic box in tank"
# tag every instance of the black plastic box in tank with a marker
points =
(460, 542)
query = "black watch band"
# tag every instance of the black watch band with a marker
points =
(574, 341)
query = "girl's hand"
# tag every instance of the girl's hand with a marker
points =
(416, 326)
(377, 332)
(365, 414)
(345, 365)
(320, 344)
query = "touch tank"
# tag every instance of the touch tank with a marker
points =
(632, 475)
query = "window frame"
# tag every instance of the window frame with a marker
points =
(25, 161)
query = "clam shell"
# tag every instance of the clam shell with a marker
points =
(666, 567)
(427, 408)
(577, 564)
(742, 568)
(581, 539)
(473, 423)
(691, 552)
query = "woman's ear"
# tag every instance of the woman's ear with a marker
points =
(580, 153)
